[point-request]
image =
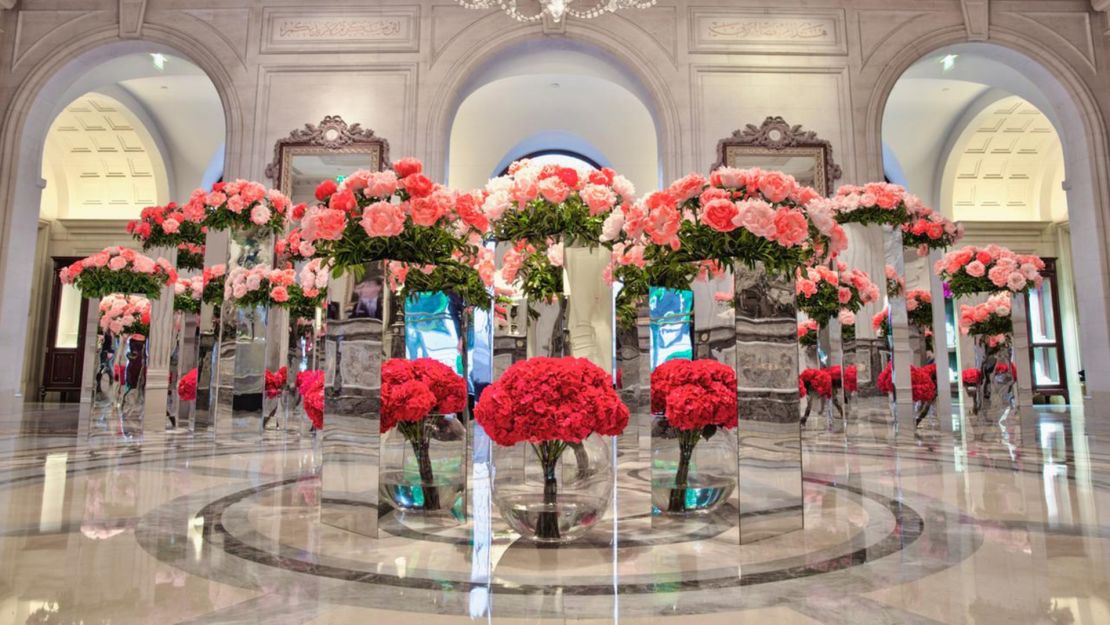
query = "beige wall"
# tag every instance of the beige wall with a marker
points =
(701, 68)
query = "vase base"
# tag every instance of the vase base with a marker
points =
(561, 522)
(696, 499)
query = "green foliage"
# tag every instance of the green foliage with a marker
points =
(223, 219)
(187, 260)
(186, 303)
(449, 277)
(100, 281)
(214, 291)
(539, 220)
(416, 244)
(875, 215)
(188, 232)
(994, 324)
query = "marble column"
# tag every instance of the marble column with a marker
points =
(160, 346)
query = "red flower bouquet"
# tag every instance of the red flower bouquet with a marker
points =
(881, 322)
(119, 270)
(924, 383)
(697, 397)
(885, 383)
(971, 376)
(187, 386)
(822, 293)
(310, 384)
(551, 403)
(1003, 368)
(411, 391)
(187, 293)
(818, 382)
(275, 381)
(847, 378)
(989, 269)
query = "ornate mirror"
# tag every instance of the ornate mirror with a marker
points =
(779, 146)
(330, 149)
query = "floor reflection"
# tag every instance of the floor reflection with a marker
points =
(979, 526)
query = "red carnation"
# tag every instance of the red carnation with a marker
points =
(407, 167)
(187, 386)
(326, 189)
(971, 376)
(569, 176)
(343, 201)
(310, 384)
(275, 380)
(714, 405)
(417, 185)
(817, 381)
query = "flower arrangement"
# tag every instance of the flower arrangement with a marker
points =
(241, 204)
(262, 285)
(929, 230)
(310, 385)
(989, 269)
(172, 226)
(291, 247)
(412, 390)
(397, 214)
(807, 333)
(919, 308)
(881, 322)
(848, 377)
(817, 382)
(735, 215)
(991, 318)
(1004, 368)
(922, 380)
(187, 293)
(191, 255)
(874, 203)
(697, 397)
(213, 278)
(125, 314)
(275, 382)
(971, 376)
(550, 403)
(187, 386)
(822, 293)
(895, 284)
(119, 270)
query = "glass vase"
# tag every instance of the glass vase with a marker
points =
(553, 492)
(130, 384)
(692, 471)
(423, 467)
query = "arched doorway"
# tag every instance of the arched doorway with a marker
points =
(990, 136)
(561, 96)
(123, 98)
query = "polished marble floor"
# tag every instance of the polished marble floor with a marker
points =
(979, 527)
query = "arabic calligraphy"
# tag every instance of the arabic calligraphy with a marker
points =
(767, 29)
(339, 29)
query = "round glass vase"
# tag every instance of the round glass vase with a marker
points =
(553, 492)
(423, 466)
(692, 471)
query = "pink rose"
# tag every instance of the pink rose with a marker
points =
(279, 294)
(382, 219)
(975, 269)
(687, 187)
(623, 187)
(260, 215)
(555, 255)
(757, 217)
(117, 263)
(777, 186)
(426, 211)
(844, 295)
(598, 198)
(144, 264)
(720, 214)
(999, 276)
(170, 226)
(847, 317)
(553, 190)
(1016, 281)
(611, 228)
(323, 223)
(806, 287)
(381, 184)
(238, 291)
(791, 227)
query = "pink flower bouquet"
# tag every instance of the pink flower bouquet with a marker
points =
(119, 270)
(187, 293)
(822, 293)
(125, 314)
(895, 284)
(172, 226)
(874, 203)
(989, 269)
(241, 204)
(928, 230)
(213, 279)
(262, 285)
(989, 319)
(919, 308)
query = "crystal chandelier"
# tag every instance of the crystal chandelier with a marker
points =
(556, 9)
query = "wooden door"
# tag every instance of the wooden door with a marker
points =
(65, 339)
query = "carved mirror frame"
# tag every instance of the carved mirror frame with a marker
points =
(775, 137)
(330, 136)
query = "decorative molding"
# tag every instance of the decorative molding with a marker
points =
(330, 135)
(131, 14)
(1071, 29)
(976, 18)
(781, 31)
(875, 28)
(776, 135)
(396, 29)
(1103, 7)
(230, 25)
(34, 28)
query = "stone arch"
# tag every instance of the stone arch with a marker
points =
(25, 124)
(625, 46)
(1082, 129)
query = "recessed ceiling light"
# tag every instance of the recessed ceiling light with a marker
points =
(158, 59)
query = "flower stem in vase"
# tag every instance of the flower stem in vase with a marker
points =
(547, 523)
(687, 439)
(416, 434)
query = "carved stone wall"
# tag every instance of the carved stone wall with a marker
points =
(399, 67)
